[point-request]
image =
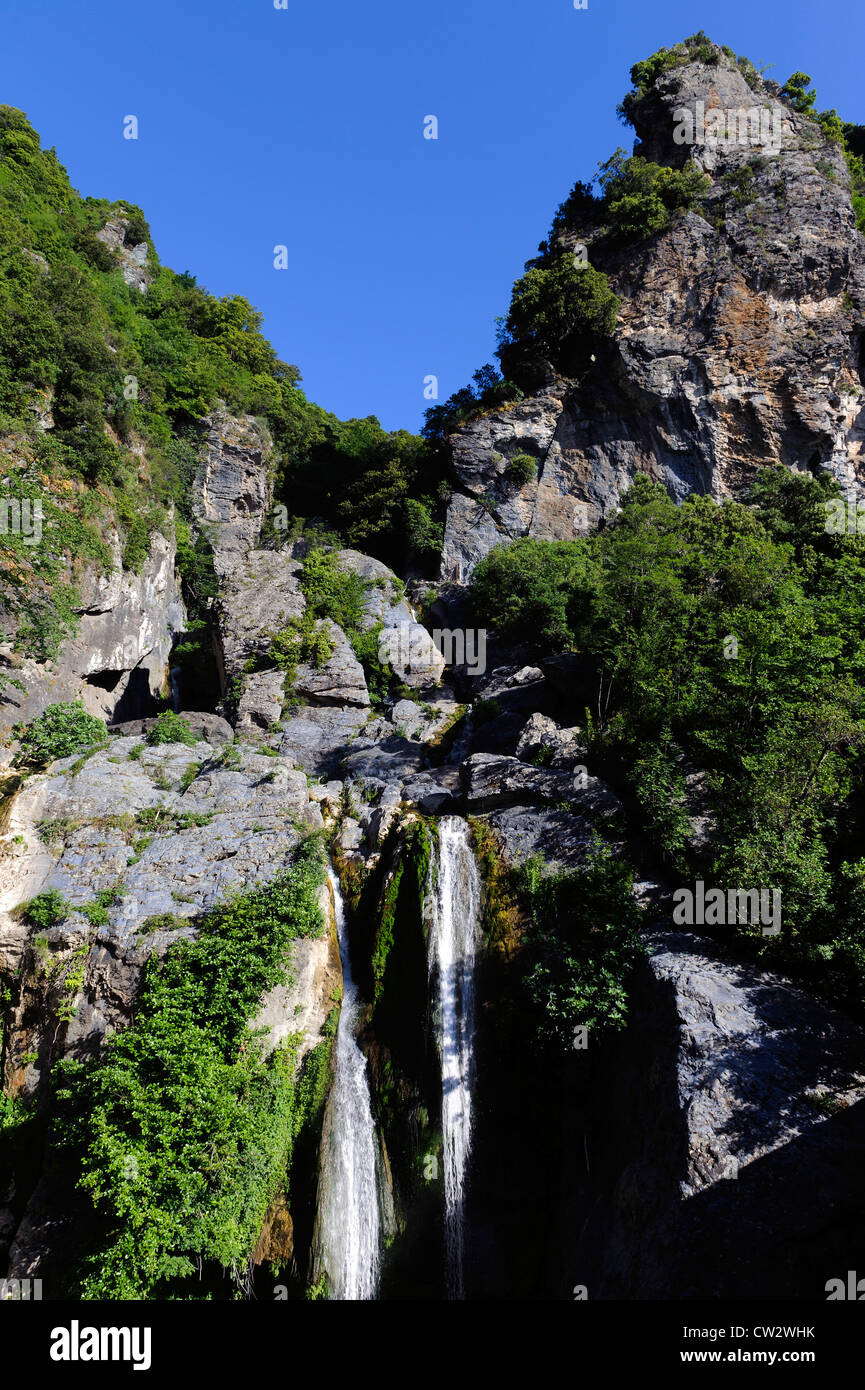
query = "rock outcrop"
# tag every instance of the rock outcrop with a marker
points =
(131, 256)
(163, 833)
(727, 1148)
(118, 658)
(233, 487)
(738, 342)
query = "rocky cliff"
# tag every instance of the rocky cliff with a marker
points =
(700, 1127)
(738, 341)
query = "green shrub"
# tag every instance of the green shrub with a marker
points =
(484, 711)
(47, 909)
(556, 306)
(331, 591)
(96, 914)
(171, 728)
(528, 591)
(640, 197)
(162, 921)
(13, 1114)
(521, 469)
(582, 946)
(378, 675)
(774, 720)
(425, 534)
(304, 639)
(60, 731)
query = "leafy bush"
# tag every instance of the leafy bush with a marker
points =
(304, 639)
(47, 909)
(171, 728)
(425, 534)
(583, 945)
(484, 711)
(521, 469)
(640, 197)
(60, 731)
(331, 591)
(527, 590)
(553, 309)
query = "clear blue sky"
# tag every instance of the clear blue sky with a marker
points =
(304, 127)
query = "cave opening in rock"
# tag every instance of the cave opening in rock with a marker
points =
(136, 701)
(196, 682)
(106, 680)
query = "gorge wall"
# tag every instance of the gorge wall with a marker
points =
(661, 1162)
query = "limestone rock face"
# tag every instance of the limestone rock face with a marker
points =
(481, 455)
(126, 627)
(261, 594)
(410, 650)
(737, 343)
(232, 492)
(741, 1117)
(134, 624)
(132, 258)
(492, 780)
(174, 830)
(327, 707)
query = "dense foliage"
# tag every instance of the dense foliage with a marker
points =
(60, 731)
(729, 640)
(183, 1128)
(335, 592)
(558, 313)
(583, 944)
(171, 728)
(640, 197)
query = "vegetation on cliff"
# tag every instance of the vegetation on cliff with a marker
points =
(563, 308)
(727, 639)
(182, 1129)
(103, 389)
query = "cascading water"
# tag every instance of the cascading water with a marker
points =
(452, 945)
(348, 1211)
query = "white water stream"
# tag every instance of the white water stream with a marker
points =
(348, 1214)
(453, 942)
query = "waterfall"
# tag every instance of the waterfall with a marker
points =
(348, 1213)
(452, 944)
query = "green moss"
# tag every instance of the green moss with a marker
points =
(384, 936)
(505, 917)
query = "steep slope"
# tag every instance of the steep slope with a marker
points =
(738, 340)
(169, 972)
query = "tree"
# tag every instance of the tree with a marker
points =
(796, 90)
